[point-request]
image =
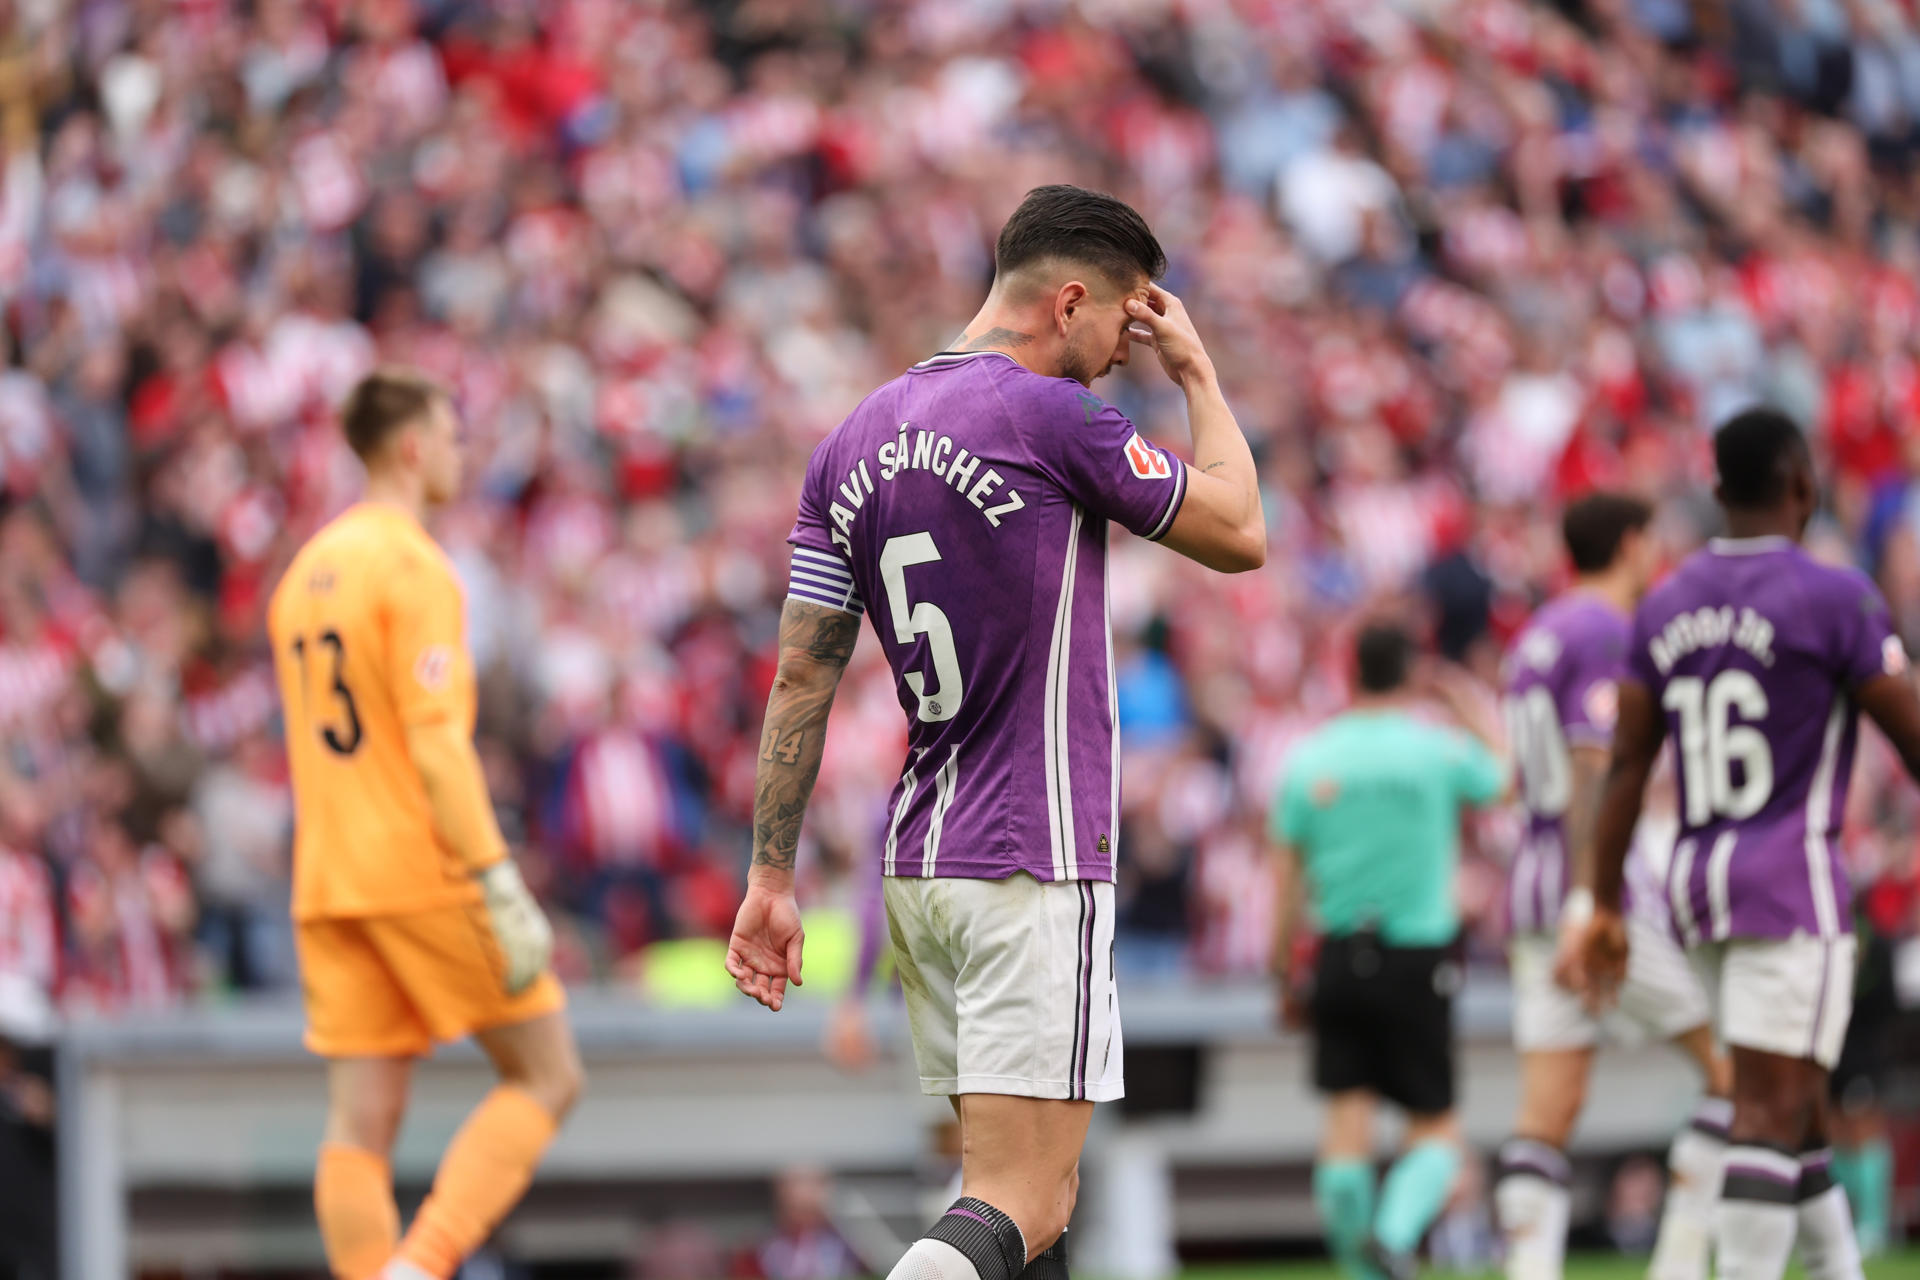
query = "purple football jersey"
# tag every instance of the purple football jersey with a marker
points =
(1752, 650)
(1561, 690)
(967, 501)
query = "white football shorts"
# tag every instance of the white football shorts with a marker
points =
(1661, 998)
(1790, 996)
(1009, 985)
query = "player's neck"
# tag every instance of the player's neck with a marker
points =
(1742, 525)
(402, 492)
(1611, 589)
(1011, 333)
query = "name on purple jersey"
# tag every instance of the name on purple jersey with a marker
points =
(927, 451)
(1712, 628)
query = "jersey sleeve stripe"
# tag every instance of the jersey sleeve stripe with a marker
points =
(821, 560)
(800, 573)
(1173, 504)
(815, 585)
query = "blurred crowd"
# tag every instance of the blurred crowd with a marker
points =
(1455, 259)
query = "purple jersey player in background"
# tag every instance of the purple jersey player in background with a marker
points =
(1560, 689)
(967, 505)
(1561, 681)
(1756, 659)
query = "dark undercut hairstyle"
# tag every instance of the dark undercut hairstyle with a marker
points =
(1756, 454)
(382, 403)
(1596, 525)
(1382, 656)
(1087, 228)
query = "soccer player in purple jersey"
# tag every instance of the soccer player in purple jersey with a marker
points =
(1561, 679)
(1758, 660)
(969, 501)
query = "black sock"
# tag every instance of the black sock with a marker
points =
(990, 1239)
(1051, 1264)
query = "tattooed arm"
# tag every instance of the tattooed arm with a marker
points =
(815, 644)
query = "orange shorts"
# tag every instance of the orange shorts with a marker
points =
(390, 986)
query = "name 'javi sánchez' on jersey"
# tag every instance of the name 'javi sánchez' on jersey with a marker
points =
(928, 451)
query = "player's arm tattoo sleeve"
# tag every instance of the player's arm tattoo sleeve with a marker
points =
(815, 644)
(1636, 743)
(1589, 770)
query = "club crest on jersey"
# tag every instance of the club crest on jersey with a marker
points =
(1602, 704)
(1893, 656)
(1147, 462)
(433, 667)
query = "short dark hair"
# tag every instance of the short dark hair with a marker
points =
(1596, 525)
(383, 402)
(1756, 453)
(1083, 227)
(1382, 656)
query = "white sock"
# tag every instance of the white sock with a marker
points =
(1829, 1250)
(933, 1260)
(1693, 1188)
(1533, 1219)
(1534, 1206)
(1755, 1221)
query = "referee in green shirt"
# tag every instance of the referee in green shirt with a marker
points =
(1367, 823)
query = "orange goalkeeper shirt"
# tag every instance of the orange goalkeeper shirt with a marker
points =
(369, 637)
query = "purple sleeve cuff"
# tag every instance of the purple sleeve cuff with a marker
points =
(1159, 530)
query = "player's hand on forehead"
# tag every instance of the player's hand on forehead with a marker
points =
(1159, 320)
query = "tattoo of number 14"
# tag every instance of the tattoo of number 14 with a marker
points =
(783, 747)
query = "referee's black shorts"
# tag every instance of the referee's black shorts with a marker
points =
(1866, 1055)
(1383, 1020)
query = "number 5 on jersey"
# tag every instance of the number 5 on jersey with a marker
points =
(923, 619)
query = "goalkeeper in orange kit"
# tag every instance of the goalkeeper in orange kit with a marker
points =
(412, 922)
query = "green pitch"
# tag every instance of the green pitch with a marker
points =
(1902, 1266)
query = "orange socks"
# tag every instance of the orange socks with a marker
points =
(484, 1173)
(353, 1198)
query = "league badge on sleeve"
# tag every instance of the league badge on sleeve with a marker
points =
(1147, 462)
(433, 667)
(1602, 704)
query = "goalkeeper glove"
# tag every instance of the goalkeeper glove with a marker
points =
(525, 937)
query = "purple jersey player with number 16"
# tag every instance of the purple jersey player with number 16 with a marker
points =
(1757, 660)
(968, 504)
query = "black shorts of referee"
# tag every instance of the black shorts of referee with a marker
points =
(1382, 1020)
(1866, 1056)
